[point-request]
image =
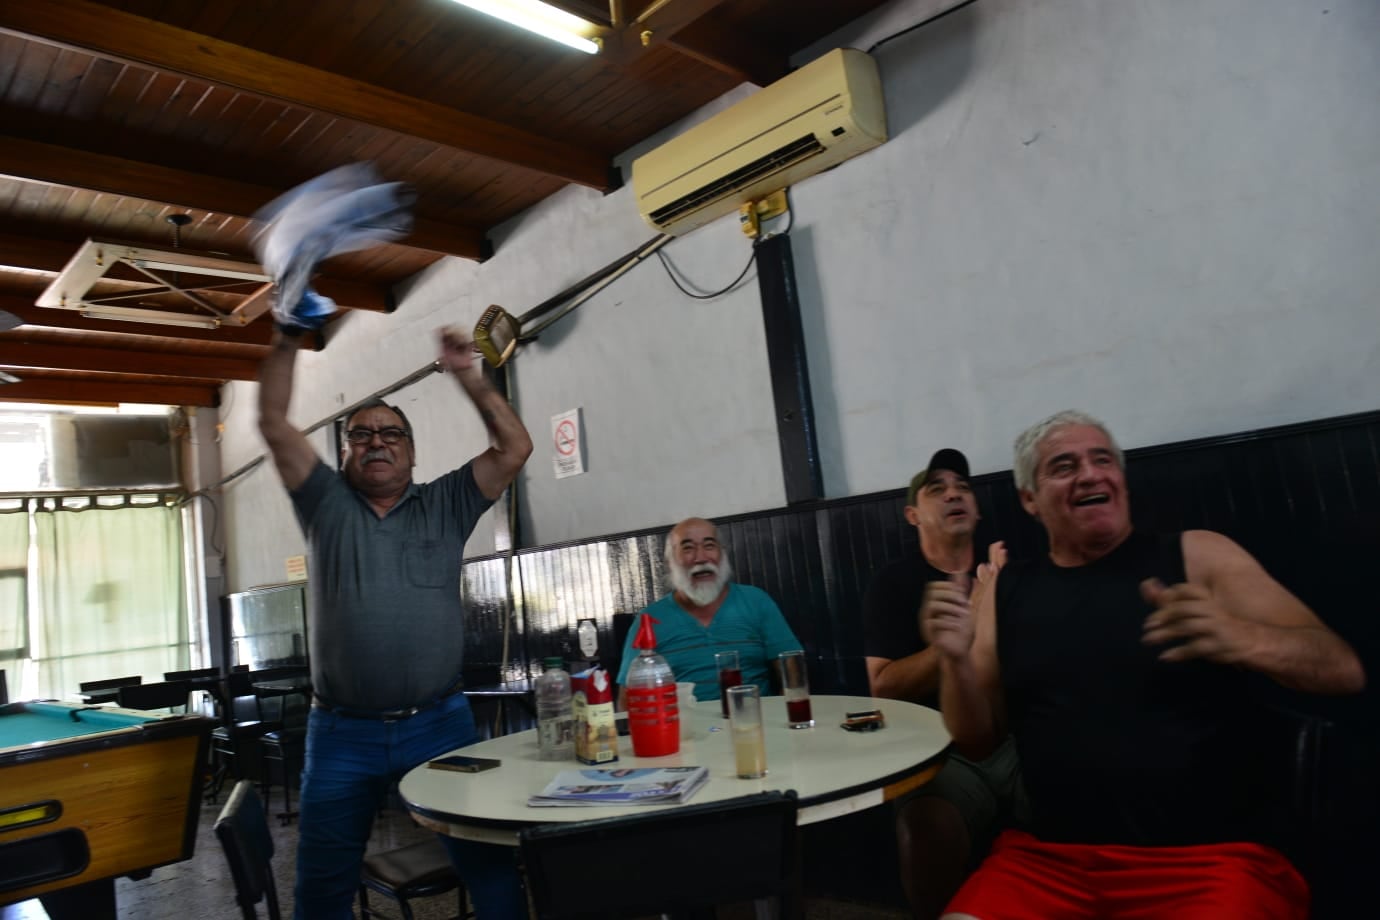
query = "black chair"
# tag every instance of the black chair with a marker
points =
(234, 742)
(283, 699)
(672, 861)
(108, 690)
(194, 675)
(243, 833)
(168, 694)
(205, 680)
(4, 688)
(421, 870)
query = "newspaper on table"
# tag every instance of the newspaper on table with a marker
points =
(622, 786)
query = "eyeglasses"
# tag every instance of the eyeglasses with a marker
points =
(365, 435)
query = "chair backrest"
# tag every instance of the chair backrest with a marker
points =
(239, 702)
(168, 694)
(695, 856)
(243, 833)
(110, 683)
(201, 674)
(4, 688)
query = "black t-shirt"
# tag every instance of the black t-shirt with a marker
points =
(891, 609)
(1116, 746)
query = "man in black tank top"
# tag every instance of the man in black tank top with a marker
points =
(946, 824)
(1118, 665)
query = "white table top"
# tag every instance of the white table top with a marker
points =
(833, 772)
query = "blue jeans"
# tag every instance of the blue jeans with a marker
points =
(350, 766)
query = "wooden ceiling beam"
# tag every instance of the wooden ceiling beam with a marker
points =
(22, 306)
(50, 164)
(17, 354)
(730, 53)
(23, 249)
(687, 27)
(670, 16)
(100, 392)
(111, 33)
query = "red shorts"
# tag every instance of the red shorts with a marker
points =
(1026, 878)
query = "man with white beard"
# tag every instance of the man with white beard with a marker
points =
(706, 613)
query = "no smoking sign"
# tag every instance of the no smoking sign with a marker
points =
(567, 443)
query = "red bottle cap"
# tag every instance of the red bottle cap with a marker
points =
(646, 636)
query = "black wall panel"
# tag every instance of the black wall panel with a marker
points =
(1304, 498)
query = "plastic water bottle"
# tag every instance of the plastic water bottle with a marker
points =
(653, 711)
(555, 717)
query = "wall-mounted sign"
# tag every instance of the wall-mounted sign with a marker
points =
(296, 568)
(568, 443)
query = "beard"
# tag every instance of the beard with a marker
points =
(701, 593)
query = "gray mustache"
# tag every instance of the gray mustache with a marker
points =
(376, 454)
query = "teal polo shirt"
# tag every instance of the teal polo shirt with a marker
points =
(748, 621)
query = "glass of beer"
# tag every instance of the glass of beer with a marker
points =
(730, 675)
(745, 725)
(795, 683)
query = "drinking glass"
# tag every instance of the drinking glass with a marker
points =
(685, 702)
(745, 725)
(730, 675)
(795, 683)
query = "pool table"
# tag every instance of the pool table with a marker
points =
(90, 794)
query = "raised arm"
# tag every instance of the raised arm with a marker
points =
(914, 677)
(510, 444)
(292, 452)
(963, 632)
(1232, 612)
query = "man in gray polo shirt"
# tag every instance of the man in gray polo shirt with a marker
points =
(386, 621)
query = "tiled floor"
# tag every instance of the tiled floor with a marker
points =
(200, 888)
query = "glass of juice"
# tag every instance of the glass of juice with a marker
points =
(745, 725)
(730, 675)
(795, 684)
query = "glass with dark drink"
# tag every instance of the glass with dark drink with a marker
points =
(730, 675)
(795, 683)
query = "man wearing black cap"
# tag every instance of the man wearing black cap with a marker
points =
(940, 828)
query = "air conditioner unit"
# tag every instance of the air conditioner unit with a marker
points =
(820, 115)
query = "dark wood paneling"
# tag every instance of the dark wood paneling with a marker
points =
(1299, 497)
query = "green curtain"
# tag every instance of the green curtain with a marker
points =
(111, 596)
(14, 603)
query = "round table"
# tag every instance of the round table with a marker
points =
(833, 772)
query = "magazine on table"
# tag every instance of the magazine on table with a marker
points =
(622, 786)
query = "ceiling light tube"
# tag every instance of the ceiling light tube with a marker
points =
(541, 18)
(217, 271)
(157, 317)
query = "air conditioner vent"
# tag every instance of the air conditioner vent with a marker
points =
(822, 114)
(762, 167)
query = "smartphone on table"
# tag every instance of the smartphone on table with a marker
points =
(463, 764)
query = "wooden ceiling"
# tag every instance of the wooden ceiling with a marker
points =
(116, 116)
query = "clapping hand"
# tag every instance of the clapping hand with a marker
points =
(996, 558)
(1192, 624)
(946, 619)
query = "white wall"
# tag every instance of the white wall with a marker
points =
(1162, 211)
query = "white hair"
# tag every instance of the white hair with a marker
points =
(699, 594)
(1028, 443)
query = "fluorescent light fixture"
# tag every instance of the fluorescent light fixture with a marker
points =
(541, 18)
(192, 269)
(157, 317)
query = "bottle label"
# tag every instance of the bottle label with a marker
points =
(596, 732)
(555, 733)
(654, 720)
